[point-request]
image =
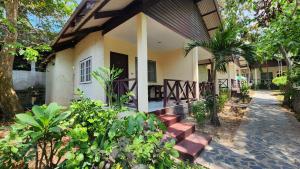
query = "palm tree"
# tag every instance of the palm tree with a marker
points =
(226, 46)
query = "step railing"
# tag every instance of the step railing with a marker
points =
(123, 86)
(205, 88)
(179, 90)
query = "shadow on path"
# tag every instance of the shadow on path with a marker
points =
(269, 138)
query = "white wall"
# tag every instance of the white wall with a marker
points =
(91, 46)
(60, 77)
(203, 73)
(25, 79)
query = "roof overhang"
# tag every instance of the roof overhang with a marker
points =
(104, 15)
(210, 13)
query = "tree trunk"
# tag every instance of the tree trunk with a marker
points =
(289, 85)
(9, 102)
(214, 116)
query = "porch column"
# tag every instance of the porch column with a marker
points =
(255, 76)
(196, 71)
(142, 58)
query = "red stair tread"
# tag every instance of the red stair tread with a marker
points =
(180, 131)
(169, 119)
(192, 146)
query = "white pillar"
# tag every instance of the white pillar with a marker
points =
(255, 76)
(142, 57)
(196, 71)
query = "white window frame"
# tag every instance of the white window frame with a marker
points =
(84, 76)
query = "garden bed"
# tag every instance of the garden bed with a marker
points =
(231, 117)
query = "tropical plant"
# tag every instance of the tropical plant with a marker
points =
(106, 77)
(223, 97)
(226, 47)
(92, 115)
(245, 91)
(199, 110)
(36, 135)
(135, 140)
(280, 81)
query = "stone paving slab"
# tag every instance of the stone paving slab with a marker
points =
(269, 138)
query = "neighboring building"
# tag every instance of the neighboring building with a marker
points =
(145, 38)
(263, 74)
(226, 79)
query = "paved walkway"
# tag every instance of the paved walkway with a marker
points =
(270, 138)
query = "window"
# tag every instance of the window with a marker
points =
(85, 70)
(266, 76)
(151, 71)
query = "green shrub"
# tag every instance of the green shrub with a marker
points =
(245, 89)
(223, 97)
(280, 81)
(130, 141)
(39, 130)
(96, 138)
(93, 115)
(199, 110)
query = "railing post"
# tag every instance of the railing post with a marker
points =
(165, 92)
(177, 91)
(187, 91)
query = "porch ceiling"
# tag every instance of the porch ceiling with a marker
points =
(160, 38)
(210, 14)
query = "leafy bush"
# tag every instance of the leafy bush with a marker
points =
(36, 135)
(280, 81)
(199, 110)
(245, 91)
(106, 77)
(130, 141)
(88, 136)
(223, 97)
(93, 115)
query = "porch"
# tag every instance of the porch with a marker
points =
(154, 54)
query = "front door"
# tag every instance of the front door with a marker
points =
(120, 61)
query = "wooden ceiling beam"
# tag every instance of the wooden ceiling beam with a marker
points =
(106, 14)
(91, 14)
(83, 31)
(208, 13)
(213, 28)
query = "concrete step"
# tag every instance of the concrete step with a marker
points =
(169, 120)
(192, 146)
(179, 131)
(159, 112)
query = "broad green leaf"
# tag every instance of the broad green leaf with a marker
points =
(40, 115)
(70, 155)
(36, 135)
(80, 157)
(28, 119)
(61, 117)
(14, 149)
(52, 110)
(55, 130)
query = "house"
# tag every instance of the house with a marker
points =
(263, 74)
(145, 38)
(226, 80)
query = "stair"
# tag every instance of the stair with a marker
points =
(188, 143)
